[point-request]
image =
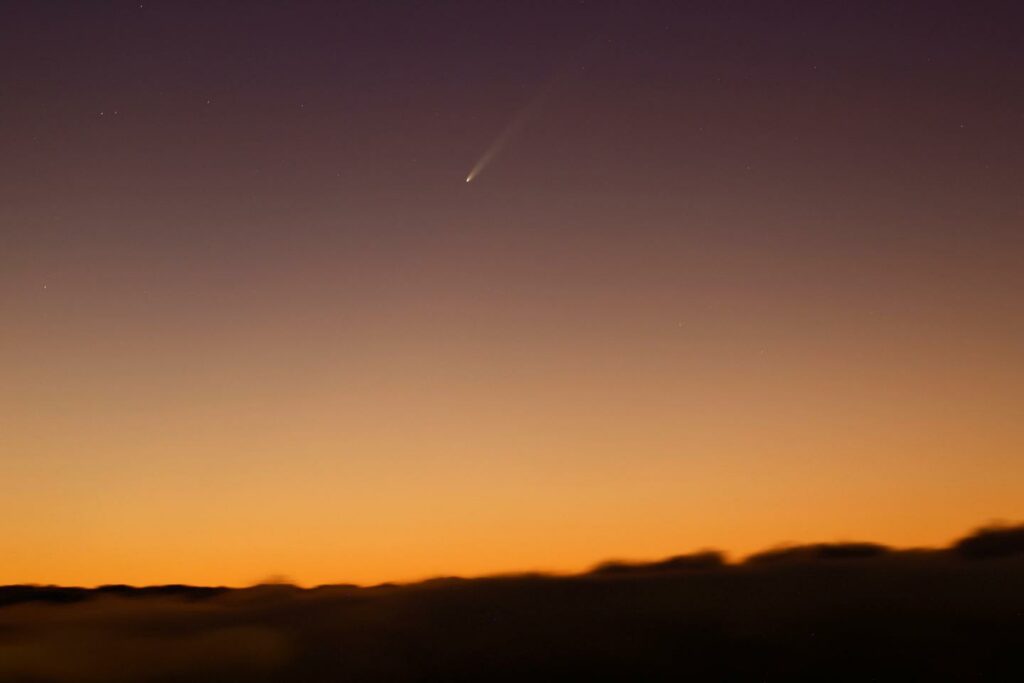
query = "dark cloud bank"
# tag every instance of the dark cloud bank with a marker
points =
(846, 611)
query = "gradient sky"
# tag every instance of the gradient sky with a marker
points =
(747, 273)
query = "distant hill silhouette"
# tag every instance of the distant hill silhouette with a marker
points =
(992, 541)
(702, 561)
(822, 612)
(819, 551)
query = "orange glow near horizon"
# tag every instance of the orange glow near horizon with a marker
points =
(257, 323)
(490, 432)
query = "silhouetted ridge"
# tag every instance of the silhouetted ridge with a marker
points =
(820, 551)
(819, 612)
(992, 541)
(10, 595)
(703, 561)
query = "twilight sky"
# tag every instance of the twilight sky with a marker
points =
(739, 273)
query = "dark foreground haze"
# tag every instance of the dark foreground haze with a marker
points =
(843, 611)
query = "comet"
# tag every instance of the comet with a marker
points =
(507, 133)
(522, 117)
